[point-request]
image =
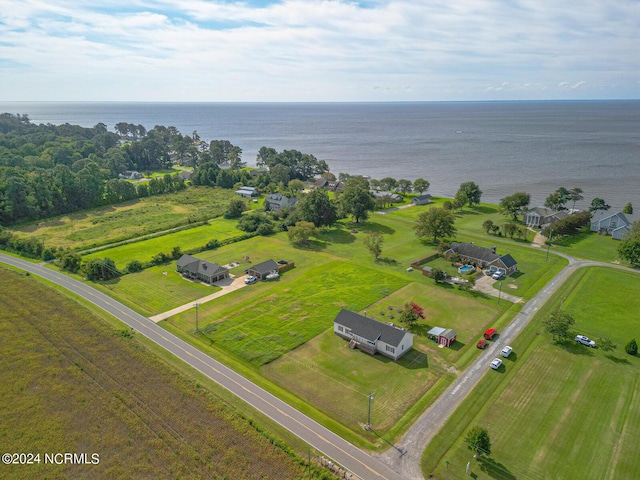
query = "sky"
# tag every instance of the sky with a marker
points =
(318, 50)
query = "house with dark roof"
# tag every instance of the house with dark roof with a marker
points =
(196, 269)
(421, 199)
(261, 270)
(483, 257)
(277, 201)
(542, 217)
(372, 336)
(614, 224)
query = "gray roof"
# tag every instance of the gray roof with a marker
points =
(369, 328)
(508, 260)
(265, 267)
(482, 253)
(196, 265)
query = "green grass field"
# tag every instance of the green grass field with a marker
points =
(105, 225)
(218, 228)
(558, 410)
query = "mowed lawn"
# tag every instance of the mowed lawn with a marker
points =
(338, 380)
(268, 319)
(150, 292)
(558, 410)
(219, 229)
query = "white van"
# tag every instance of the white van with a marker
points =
(506, 351)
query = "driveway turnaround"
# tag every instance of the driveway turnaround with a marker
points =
(318, 437)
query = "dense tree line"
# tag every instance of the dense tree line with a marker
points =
(48, 170)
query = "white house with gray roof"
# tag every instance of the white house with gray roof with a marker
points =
(372, 336)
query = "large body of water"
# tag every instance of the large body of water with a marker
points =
(504, 147)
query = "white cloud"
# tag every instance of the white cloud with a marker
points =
(317, 50)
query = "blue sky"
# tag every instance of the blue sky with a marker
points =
(315, 50)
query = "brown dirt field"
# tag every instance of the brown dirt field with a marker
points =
(70, 383)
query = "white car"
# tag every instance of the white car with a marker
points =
(585, 341)
(498, 275)
(506, 351)
(250, 279)
(496, 364)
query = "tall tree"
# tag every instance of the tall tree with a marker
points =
(356, 201)
(373, 241)
(628, 209)
(514, 204)
(558, 324)
(388, 183)
(472, 193)
(575, 195)
(598, 204)
(435, 223)
(558, 199)
(629, 248)
(404, 186)
(478, 441)
(420, 185)
(316, 207)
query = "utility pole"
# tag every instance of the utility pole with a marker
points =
(549, 243)
(369, 416)
(499, 293)
(197, 305)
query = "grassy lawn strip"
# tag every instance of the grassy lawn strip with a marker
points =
(73, 384)
(557, 410)
(219, 229)
(101, 226)
(285, 314)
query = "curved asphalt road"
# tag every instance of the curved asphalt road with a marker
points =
(320, 438)
(428, 425)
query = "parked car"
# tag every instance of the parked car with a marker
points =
(498, 275)
(506, 351)
(481, 343)
(250, 279)
(490, 333)
(496, 363)
(585, 341)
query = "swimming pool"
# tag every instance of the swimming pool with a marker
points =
(466, 269)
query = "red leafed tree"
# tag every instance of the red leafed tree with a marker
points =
(418, 310)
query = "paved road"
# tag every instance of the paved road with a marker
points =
(320, 438)
(427, 426)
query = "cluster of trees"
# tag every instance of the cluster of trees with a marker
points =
(568, 226)
(629, 248)
(419, 185)
(48, 170)
(290, 164)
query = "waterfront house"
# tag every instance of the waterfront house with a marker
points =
(541, 217)
(614, 224)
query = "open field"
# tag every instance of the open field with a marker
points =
(71, 383)
(558, 410)
(218, 228)
(106, 225)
